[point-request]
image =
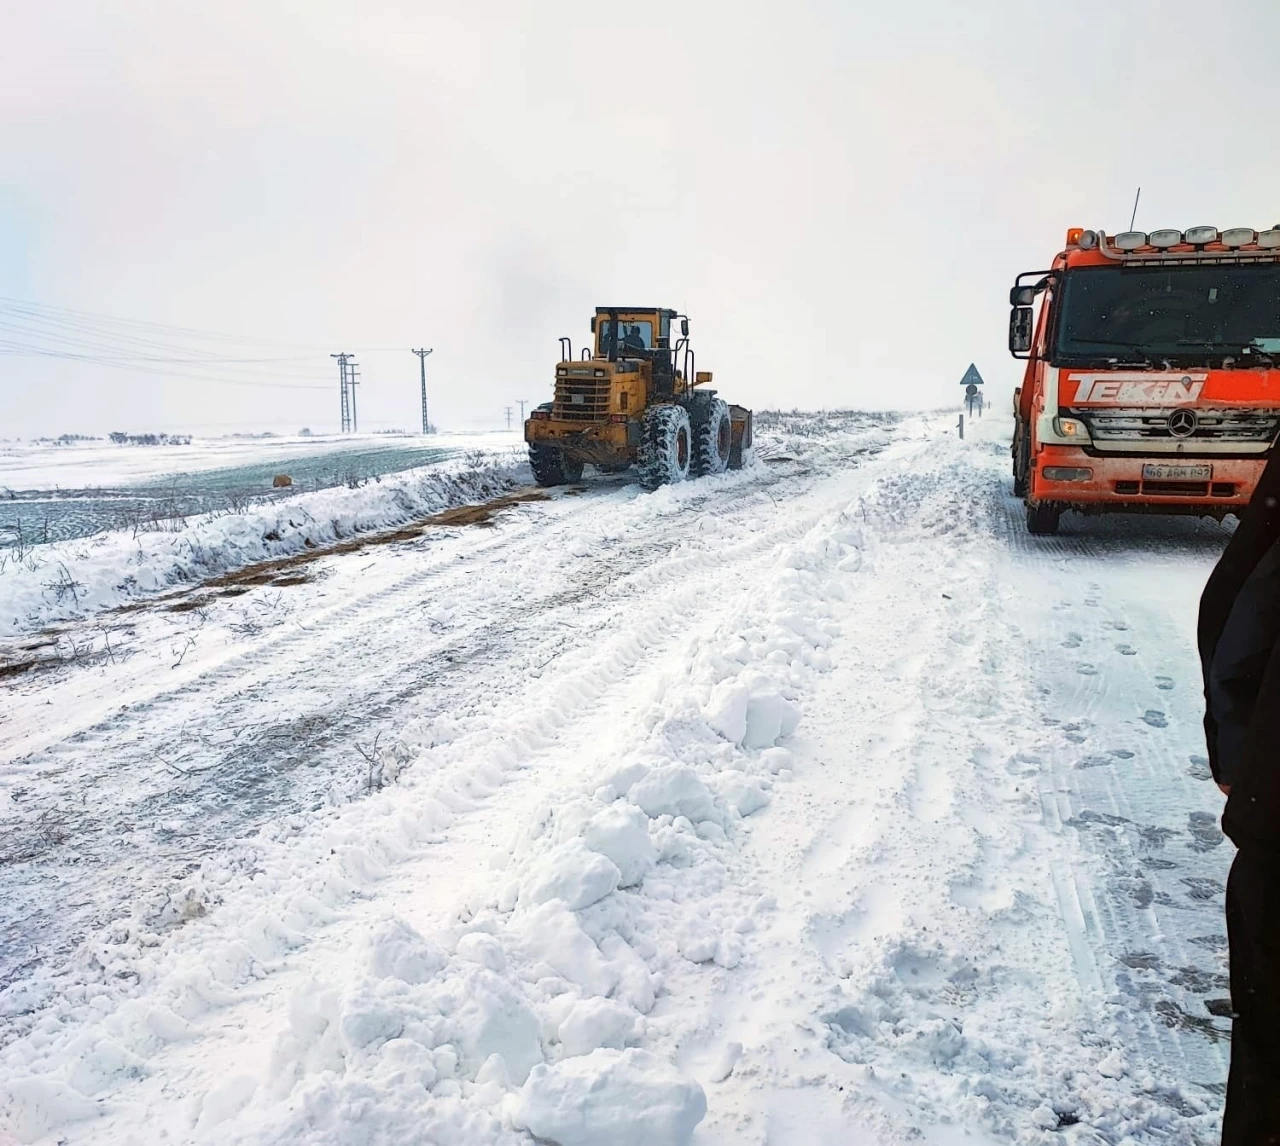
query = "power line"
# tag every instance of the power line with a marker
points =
(98, 360)
(68, 314)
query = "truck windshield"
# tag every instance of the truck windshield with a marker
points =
(1177, 313)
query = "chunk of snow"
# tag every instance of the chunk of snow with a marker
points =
(571, 872)
(623, 1098)
(673, 790)
(769, 717)
(621, 833)
(492, 1018)
(479, 947)
(746, 793)
(726, 710)
(553, 935)
(595, 1023)
(399, 952)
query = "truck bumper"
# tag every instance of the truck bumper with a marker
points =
(600, 443)
(1117, 484)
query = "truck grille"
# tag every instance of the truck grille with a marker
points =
(581, 399)
(1212, 425)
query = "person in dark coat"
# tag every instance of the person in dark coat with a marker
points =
(1239, 638)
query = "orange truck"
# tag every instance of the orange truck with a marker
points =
(1152, 382)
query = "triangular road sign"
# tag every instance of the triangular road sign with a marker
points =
(971, 377)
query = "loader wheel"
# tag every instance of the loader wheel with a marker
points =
(712, 437)
(552, 466)
(1043, 519)
(666, 446)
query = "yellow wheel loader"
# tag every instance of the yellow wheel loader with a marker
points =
(632, 399)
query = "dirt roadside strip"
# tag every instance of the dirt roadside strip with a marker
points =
(47, 649)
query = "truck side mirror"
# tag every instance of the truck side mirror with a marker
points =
(1021, 323)
(684, 327)
(1022, 296)
(593, 325)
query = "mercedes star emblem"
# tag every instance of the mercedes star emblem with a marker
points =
(1182, 423)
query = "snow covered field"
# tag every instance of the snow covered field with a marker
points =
(40, 465)
(815, 803)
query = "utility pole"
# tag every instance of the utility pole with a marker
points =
(351, 385)
(346, 387)
(508, 413)
(422, 363)
(523, 402)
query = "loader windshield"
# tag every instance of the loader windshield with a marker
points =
(1179, 314)
(632, 335)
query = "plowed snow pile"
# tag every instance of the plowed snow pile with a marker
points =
(780, 838)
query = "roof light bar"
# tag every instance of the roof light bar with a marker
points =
(1131, 240)
(1239, 236)
(1199, 236)
(1165, 238)
(1270, 239)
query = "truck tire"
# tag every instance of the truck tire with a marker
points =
(712, 437)
(552, 466)
(1021, 462)
(1043, 519)
(666, 446)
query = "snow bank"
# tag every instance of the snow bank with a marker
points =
(63, 581)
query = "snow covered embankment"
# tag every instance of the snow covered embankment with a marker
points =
(63, 581)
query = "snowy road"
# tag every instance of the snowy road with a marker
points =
(858, 814)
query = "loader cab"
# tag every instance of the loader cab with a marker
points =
(639, 332)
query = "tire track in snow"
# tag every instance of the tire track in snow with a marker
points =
(1120, 731)
(236, 784)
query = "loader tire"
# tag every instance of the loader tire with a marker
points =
(712, 437)
(1043, 519)
(552, 466)
(666, 446)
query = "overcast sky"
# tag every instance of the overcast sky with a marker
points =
(838, 193)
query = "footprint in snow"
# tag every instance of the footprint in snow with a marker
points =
(1073, 641)
(1122, 754)
(1087, 670)
(1201, 887)
(1217, 942)
(1205, 833)
(1155, 718)
(1164, 683)
(1126, 650)
(1119, 626)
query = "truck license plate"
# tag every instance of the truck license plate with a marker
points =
(1157, 472)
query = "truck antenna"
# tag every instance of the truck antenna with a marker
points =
(1134, 217)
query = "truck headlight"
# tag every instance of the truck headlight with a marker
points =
(1071, 428)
